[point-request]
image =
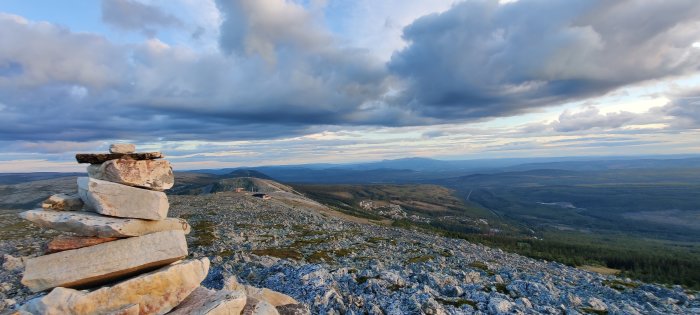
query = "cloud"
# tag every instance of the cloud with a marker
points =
(484, 59)
(132, 15)
(686, 110)
(591, 118)
(279, 71)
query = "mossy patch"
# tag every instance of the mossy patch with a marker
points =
(204, 233)
(362, 280)
(320, 256)
(588, 310)
(481, 265)
(281, 252)
(457, 302)
(420, 259)
(344, 252)
(620, 285)
(501, 288)
(375, 240)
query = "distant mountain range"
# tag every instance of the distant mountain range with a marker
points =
(415, 170)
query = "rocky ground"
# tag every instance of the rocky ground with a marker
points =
(334, 265)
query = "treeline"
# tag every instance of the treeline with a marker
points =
(646, 263)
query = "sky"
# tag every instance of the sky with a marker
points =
(227, 83)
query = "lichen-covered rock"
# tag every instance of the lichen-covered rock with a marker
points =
(203, 301)
(150, 174)
(101, 263)
(122, 201)
(258, 307)
(293, 309)
(90, 224)
(155, 292)
(63, 202)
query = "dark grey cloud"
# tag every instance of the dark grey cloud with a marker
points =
(686, 110)
(481, 59)
(135, 16)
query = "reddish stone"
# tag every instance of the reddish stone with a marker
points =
(63, 242)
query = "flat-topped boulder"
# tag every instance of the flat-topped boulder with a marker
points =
(156, 292)
(123, 148)
(150, 174)
(97, 158)
(99, 264)
(90, 224)
(63, 202)
(66, 242)
(121, 200)
(203, 301)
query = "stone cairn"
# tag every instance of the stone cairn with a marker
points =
(123, 254)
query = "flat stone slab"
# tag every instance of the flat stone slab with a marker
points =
(121, 200)
(203, 301)
(150, 174)
(273, 297)
(90, 224)
(155, 292)
(254, 306)
(63, 202)
(124, 148)
(65, 242)
(94, 265)
(97, 158)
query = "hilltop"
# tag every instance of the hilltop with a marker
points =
(330, 261)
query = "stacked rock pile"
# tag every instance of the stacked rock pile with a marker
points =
(123, 254)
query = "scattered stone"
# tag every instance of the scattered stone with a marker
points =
(150, 174)
(64, 242)
(258, 307)
(597, 304)
(122, 201)
(123, 148)
(63, 202)
(90, 224)
(203, 301)
(499, 306)
(231, 284)
(155, 292)
(97, 158)
(12, 263)
(101, 263)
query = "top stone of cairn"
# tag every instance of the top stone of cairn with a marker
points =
(117, 151)
(123, 148)
(98, 158)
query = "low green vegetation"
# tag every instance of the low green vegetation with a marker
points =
(204, 233)
(420, 259)
(281, 252)
(588, 310)
(646, 260)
